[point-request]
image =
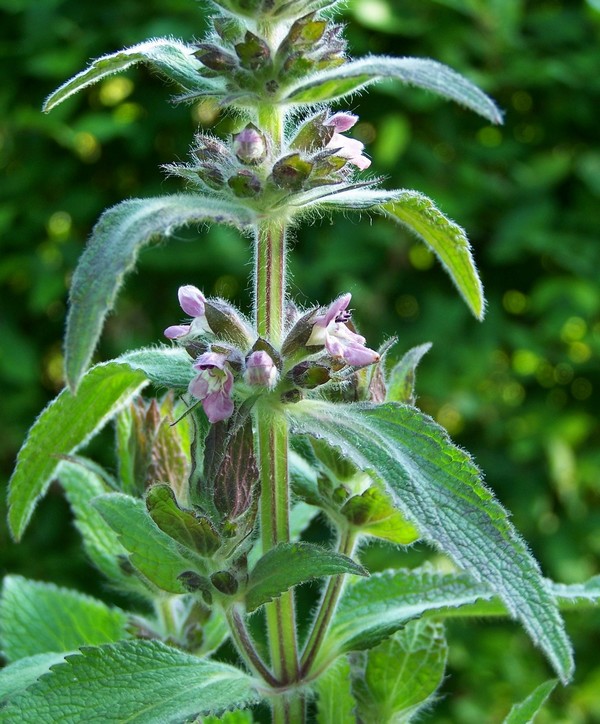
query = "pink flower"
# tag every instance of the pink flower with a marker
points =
(346, 147)
(340, 341)
(213, 385)
(261, 370)
(192, 301)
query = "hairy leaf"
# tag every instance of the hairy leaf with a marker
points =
(401, 382)
(132, 681)
(336, 703)
(171, 58)
(16, 677)
(289, 564)
(437, 486)
(63, 427)
(375, 515)
(525, 712)
(169, 367)
(38, 618)
(403, 673)
(153, 553)
(231, 717)
(421, 72)
(445, 238)
(112, 251)
(81, 485)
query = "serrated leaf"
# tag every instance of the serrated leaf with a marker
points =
(526, 711)
(132, 681)
(401, 382)
(173, 59)
(436, 485)
(289, 564)
(81, 485)
(38, 618)
(16, 677)
(192, 531)
(152, 552)
(420, 72)
(63, 427)
(335, 702)
(445, 238)
(403, 673)
(112, 250)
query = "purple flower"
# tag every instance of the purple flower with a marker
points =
(340, 341)
(192, 301)
(213, 385)
(261, 370)
(249, 145)
(349, 148)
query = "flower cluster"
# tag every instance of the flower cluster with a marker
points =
(324, 335)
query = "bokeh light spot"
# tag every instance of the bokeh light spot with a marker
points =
(421, 257)
(514, 301)
(407, 306)
(59, 224)
(115, 90)
(490, 137)
(86, 146)
(581, 388)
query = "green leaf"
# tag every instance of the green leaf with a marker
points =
(289, 564)
(336, 703)
(153, 553)
(355, 198)
(403, 673)
(374, 514)
(401, 382)
(231, 717)
(16, 677)
(420, 72)
(172, 58)
(525, 712)
(193, 531)
(445, 238)
(132, 681)
(437, 487)
(38, 618)
(112, 251)
(81, 485)
(64, 426)
(169, 367)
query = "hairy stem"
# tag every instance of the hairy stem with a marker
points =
(245, 646)
(326, 608)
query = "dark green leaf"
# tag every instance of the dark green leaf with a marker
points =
(403, 673)
(38, 618)
(172, 58)
(132, 681)
(401, 382)
(157, 556)
(437, 486)
(112, 250)
(192, 531)
(64, 426)
(289, 564)
(421, 72)
(445, 238)
(526, 711)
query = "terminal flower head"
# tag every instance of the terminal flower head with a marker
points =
(213, 385)
(261, 370)
(349, 148)
(192, 301)
(340, 341)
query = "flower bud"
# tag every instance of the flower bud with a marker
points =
(249, 145)
(261, 370)
(253, 52)
(215, 58)
(245, 184)
(290, 172)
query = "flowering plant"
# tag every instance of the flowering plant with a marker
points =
(267, 421)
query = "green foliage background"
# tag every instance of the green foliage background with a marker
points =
(520, 391)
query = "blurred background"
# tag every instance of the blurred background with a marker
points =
(520, 391)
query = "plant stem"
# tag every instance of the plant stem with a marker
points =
(269, 281)
(327, 607)
(246, 647)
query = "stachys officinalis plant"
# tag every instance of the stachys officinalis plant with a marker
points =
(260, 421)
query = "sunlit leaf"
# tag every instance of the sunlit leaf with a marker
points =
(420, 72)
(63, 427)
(526, 711)
(401, 381)
(335, 701)
(112, 250)
(437, 486)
